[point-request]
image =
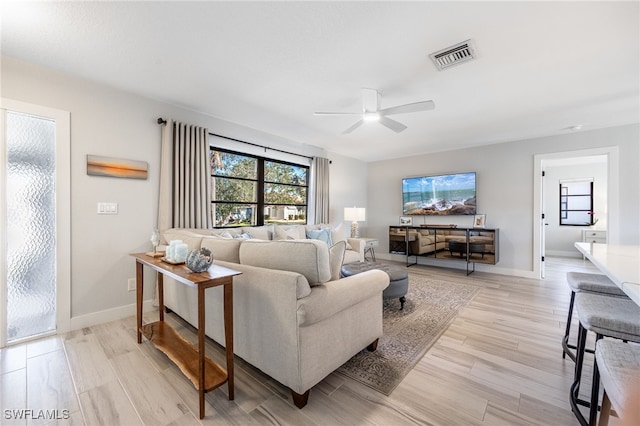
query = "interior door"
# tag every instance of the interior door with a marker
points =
(35, 222)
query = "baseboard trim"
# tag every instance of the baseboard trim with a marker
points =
(454, 264)
(560, 253)
(108, 315)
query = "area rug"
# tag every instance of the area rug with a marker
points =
(409, 333)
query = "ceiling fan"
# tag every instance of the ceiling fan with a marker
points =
(371, 111)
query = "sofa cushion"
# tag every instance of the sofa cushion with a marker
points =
(227, 250)
(307, 257)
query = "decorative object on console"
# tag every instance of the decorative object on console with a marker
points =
(155, 240)
(453, 194)
(355, 215)
(406, 220)
(176, 252)
(199, 260)
(479, 220)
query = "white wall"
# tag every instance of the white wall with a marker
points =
(109, 122)
(348, 188)
(560, 239)
(505, 189)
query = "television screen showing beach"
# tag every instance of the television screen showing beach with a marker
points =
(453, 194)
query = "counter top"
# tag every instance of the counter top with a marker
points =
(621, 263)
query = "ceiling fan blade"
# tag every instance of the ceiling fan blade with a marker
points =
(352, 128)
(392, 124)
(337, 113)
(406, 108)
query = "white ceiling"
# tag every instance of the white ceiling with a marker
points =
(542, 66)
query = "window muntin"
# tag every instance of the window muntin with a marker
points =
(576, 202)
(243, 185)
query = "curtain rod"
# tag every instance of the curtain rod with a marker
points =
(163, 121)
(261, 146)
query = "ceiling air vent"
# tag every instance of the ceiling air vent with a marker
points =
(453, 55)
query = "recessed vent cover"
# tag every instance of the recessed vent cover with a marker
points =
(453, 55)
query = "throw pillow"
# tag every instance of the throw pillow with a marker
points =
(284, 233)
(244, 236)
(260, 232)
(225, 235)
(323, 234)
(337, 234)
(336, 257)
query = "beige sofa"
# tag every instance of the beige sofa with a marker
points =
(294, 318)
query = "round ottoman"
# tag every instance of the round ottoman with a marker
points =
(398, 278)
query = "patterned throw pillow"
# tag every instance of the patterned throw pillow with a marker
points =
(244, 236)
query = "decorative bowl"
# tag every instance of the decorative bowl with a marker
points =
(199, 260)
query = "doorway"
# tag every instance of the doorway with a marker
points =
(609, 158)
(35, 222)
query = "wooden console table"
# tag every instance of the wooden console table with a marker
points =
(205, 374)
(472, 245)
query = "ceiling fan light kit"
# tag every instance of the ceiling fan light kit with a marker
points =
(371, 111)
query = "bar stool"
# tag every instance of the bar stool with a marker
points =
(618, 365)
(585, 282)
(606, 316)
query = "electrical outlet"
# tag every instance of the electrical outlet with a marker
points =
(131, 284)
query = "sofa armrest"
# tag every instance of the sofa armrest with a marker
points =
(357, 245)
(335, 296)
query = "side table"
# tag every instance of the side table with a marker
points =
(369, 245)
(204, 373)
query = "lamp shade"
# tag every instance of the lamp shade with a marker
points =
(355, 214)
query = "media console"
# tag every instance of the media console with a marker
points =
(470, 245)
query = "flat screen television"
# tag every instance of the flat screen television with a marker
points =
(453, 194)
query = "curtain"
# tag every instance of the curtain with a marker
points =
(320, 176)
(185, 172)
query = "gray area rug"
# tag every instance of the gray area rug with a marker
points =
(409, 333)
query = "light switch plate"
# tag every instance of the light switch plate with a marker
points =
(107, 208)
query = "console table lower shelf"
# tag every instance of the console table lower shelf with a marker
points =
(168, 341)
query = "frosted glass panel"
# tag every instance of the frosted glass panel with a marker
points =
(31, 256)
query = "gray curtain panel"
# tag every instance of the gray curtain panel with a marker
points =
(185, 172)
(320, 170)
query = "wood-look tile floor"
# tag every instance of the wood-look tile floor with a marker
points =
(499, 363)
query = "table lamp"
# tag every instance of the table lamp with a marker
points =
(355, 215)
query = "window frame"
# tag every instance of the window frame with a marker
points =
(565, 195)
(260, 182)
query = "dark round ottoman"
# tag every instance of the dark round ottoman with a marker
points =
(398, 278)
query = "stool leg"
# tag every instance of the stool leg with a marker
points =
(606, 408)
(575, 387)
(595, 388)
(402, 300)
(565, 340)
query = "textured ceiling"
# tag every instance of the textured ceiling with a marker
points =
(542, 66)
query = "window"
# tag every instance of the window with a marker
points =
(250, 191)
(576, 202)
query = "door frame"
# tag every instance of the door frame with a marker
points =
(613, 197)
(63, 210)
